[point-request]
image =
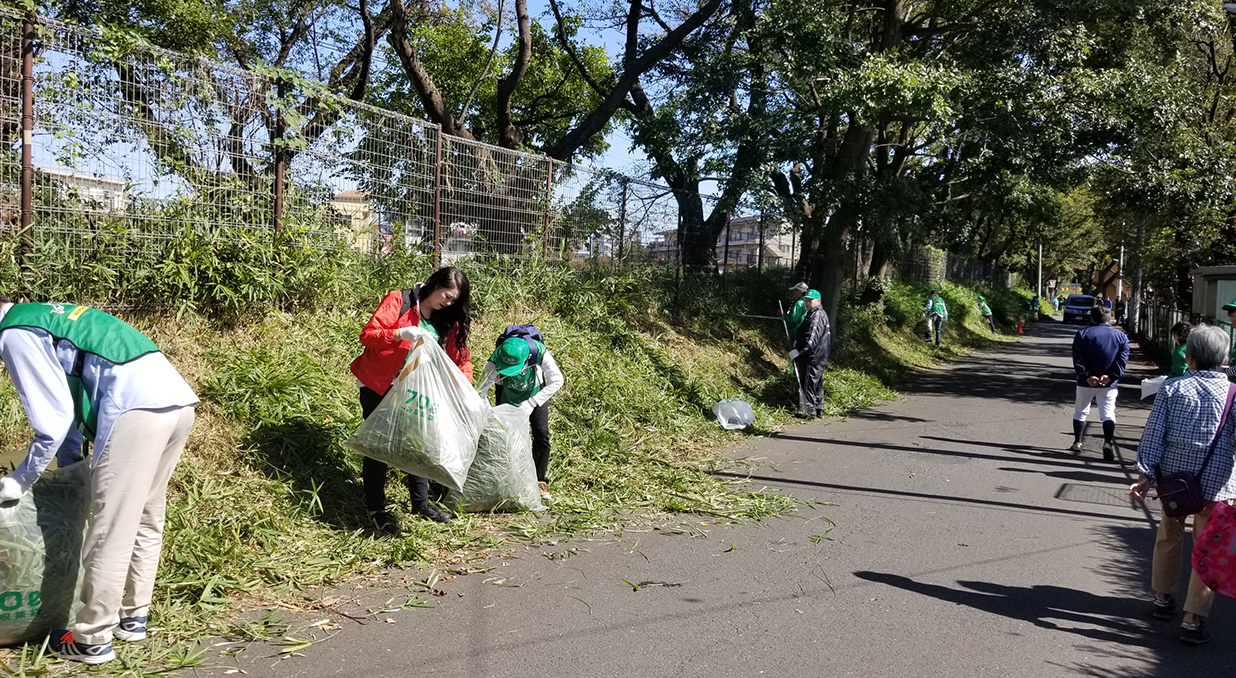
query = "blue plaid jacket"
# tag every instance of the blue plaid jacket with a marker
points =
(1181, 427)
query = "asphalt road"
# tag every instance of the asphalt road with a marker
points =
(966, 542)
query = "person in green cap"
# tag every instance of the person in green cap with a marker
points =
(525, 374)
(936, 312)
(1230, 307)
(986, 311)
(798, 311)
(812, 346)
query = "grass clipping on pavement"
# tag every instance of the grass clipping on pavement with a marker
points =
(266, 507)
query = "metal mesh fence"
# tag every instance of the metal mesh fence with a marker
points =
(138, 150)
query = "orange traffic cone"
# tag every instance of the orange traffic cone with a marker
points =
(1019, 324)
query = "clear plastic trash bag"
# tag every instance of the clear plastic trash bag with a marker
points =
(733, 414)
(1151, 386)
(429, 421)
(503, 475)
(41, 538)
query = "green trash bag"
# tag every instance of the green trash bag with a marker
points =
(428, 422)
(503, 475)
(41, 539)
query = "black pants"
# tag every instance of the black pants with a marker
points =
(373, 472)
(540, 437)
(811, 387)
(992, 321)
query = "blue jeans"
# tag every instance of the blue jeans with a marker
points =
(937, 327)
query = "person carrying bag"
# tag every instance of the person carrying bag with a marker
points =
(1186, 447)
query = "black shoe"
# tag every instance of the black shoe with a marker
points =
(1195, 636)
(1163, 609)
(1109, 451)
(800, 415)
(428, 511)
(385, 522)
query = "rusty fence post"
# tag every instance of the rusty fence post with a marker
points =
(26, 234)
(437, 197)
(549, 201)
(622, 221)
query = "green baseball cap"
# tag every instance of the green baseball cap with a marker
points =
(1230, 306)
(811, 294)
(511, 356)
(980, 297)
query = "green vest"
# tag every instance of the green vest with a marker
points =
(91, 331)
(937, 307)
(518, 388)
(984, 308)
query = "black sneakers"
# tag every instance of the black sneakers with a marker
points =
(1109, 451)
(384, 522)
(428, 511)
(1195, 634)
(1164, 608)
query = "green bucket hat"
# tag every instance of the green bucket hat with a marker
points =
(1230, 306)
(511, 356)
(811, 294)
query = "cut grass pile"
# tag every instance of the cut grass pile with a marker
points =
(266, 506)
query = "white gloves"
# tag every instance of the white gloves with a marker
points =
(10, 490)
(793, 354)
(526, 407)
(411, 333)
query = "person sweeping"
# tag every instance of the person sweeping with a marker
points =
(525, 374)
(811, 351)
(82, 374)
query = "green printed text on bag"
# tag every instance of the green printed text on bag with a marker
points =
(419, 404)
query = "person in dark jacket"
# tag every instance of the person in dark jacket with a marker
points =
(1100, 355)
(811, 351)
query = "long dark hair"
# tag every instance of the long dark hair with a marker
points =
(458, 313)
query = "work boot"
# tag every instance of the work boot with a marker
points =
(428, 511)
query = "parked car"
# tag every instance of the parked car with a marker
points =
(1077, 308)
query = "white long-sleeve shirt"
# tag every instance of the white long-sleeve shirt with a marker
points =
(39, 370)
(548, 375)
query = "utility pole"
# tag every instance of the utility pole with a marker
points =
(1039, 293)
(1135, 295)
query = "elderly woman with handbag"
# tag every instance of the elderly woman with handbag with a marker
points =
(1183, 450)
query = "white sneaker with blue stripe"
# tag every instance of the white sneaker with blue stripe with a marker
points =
(62, 644)
(131, 629)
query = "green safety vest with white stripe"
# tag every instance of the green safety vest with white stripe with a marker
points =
(91, 332)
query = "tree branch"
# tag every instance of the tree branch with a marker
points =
(463, 112)
(509, 135)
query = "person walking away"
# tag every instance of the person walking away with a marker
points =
(524, 373)
(986, 311)
(1100, 355)
(811, 352)
(936, 311)
(440, 309)
(82, 374)
(1034, 308)
(798, 311)
(1184, 434)
(1180, 335)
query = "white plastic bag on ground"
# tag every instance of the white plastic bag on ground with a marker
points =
(429, 421)
(1151, 386)
(503, 475)
(40, 554)
(733, 414)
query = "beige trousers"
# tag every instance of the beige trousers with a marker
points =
(128, 496)
(1165, 571)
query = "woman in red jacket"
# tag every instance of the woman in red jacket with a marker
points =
(441, 306)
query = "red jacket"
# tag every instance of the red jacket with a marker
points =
(384, 354)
